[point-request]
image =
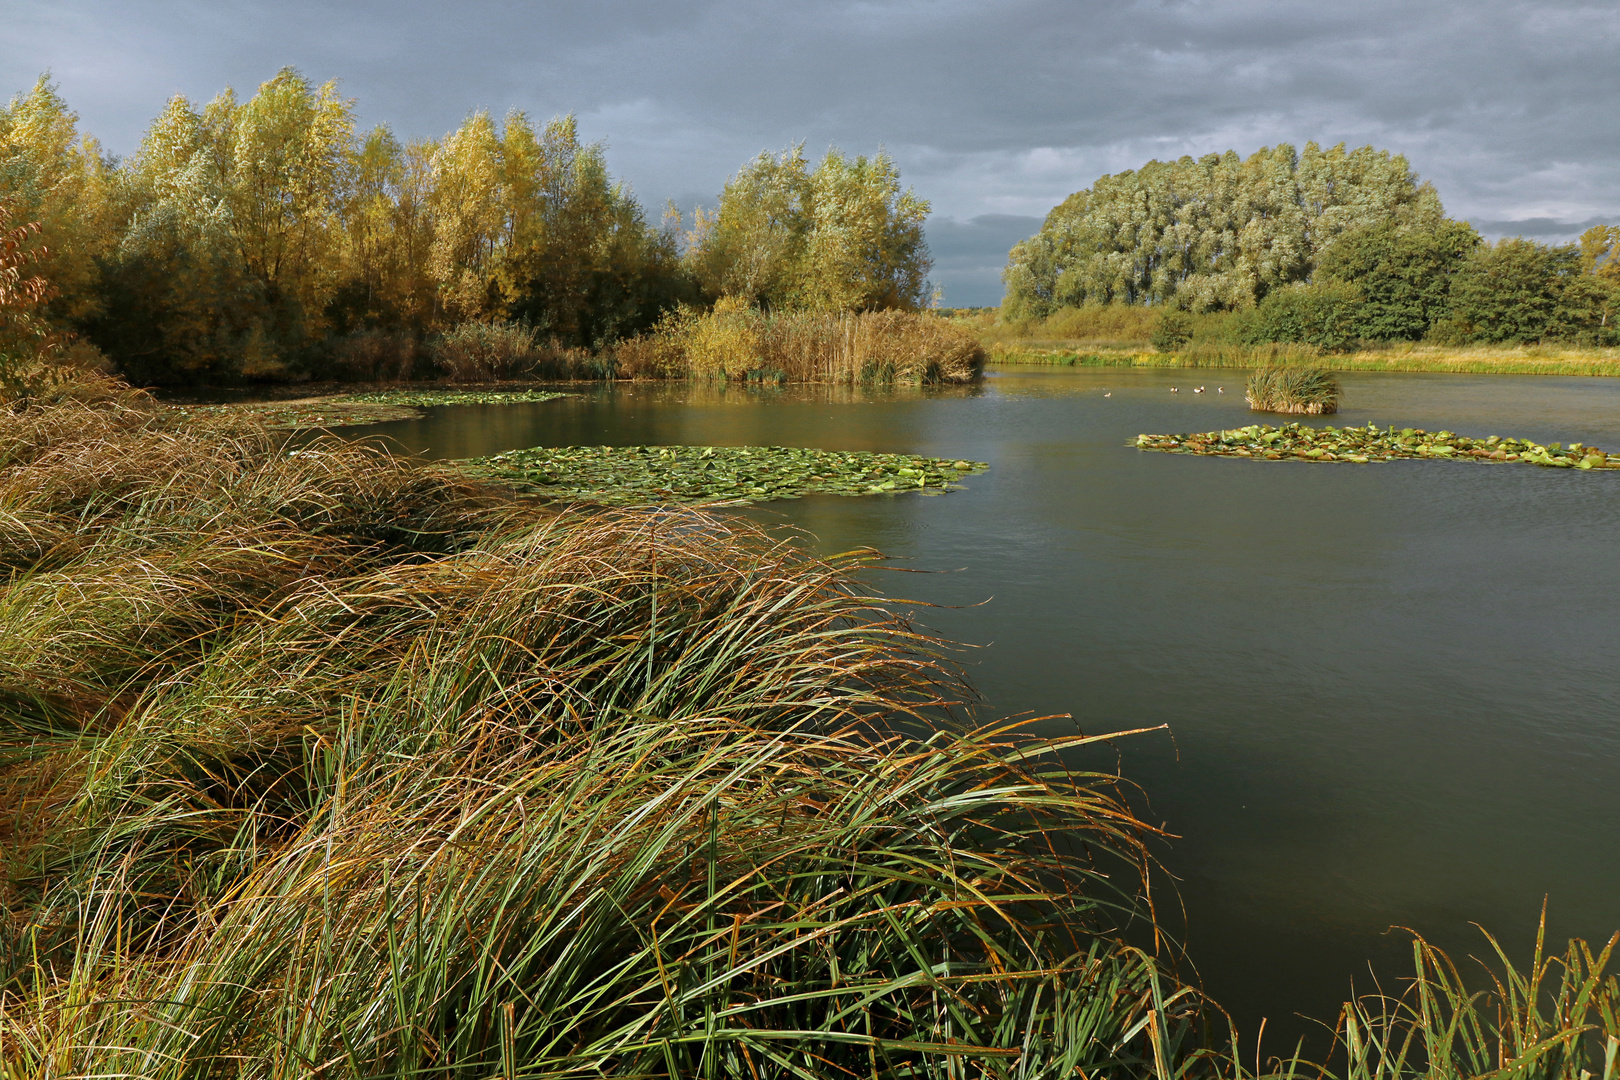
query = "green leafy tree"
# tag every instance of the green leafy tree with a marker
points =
(1404, 273)
(753, 244)
(1600, 251)
(177, 304)
(290, 149)
(58, 181)
(1518, 291)
(1321, 313)
(581, 262)
(865, 250)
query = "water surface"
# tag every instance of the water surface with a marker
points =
(1392, 689)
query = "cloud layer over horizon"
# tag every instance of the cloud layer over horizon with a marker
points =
(994, 111)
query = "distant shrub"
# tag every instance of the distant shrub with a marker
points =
(478, 351)
(1322, 314)
(1171, 330)
(375, 356)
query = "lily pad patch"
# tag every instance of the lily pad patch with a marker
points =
(427, 398)
(642, 475)
(1361, 445)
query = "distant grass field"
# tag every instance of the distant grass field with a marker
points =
(1526, 360)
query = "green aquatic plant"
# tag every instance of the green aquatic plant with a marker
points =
(1361, 445)
(1284, 388)
(355, 410)
(1559, 1017)
(641, 475)
(429, 398)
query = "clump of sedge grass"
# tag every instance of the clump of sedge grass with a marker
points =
(316, 761)
(1290, 389)
(1557, 1017)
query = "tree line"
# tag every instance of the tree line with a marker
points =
(1323, 247)
(254, 238)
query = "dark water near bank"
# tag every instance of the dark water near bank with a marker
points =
(1393, 690)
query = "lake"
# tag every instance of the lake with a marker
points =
(1392, 690)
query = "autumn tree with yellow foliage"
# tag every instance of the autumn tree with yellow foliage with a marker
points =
(841, 237)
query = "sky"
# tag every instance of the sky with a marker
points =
(994, 110)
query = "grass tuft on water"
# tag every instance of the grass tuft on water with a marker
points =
(642, 475)
(1288, 389)
(1301, 442)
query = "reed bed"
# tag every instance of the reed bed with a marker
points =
(318, 762)
(739, 342)
(494, 350)
(1281, 388)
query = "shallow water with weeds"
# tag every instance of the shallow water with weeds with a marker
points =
(368, 407)
(642, 475)
(1362, 445)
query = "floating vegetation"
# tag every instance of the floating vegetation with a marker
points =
(305, 414)
(1372, 443)
(639, 475)
(426, 398)
(353, 410)
(1284, 389)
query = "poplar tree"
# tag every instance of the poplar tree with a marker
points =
(57, 180)
(842, 237)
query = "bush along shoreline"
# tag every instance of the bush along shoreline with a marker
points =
(1361, 445)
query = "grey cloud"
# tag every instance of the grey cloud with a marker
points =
(1547, 230)
(990, 108)
(969, 255)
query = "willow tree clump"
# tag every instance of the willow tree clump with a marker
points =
(1216, 232)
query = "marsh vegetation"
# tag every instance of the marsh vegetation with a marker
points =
(1370, 443)
(1288, 389)
(655, 475)
(314, 755)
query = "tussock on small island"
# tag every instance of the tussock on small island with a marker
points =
(1281, 389)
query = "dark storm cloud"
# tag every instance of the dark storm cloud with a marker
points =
(969, 255)
(990, 108)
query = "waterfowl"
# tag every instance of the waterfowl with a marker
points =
(1173, 390)
(1198, 390)
(1109, 394)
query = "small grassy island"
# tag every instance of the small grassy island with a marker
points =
(639, 475)
(1281, 389)
(1371, 443)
